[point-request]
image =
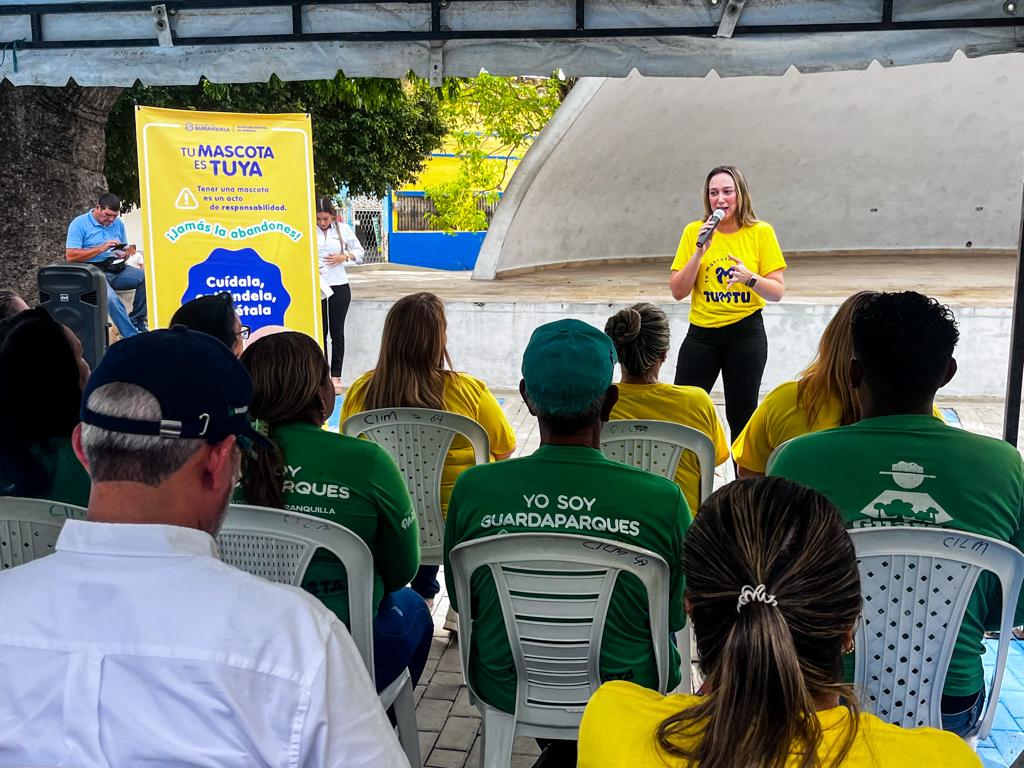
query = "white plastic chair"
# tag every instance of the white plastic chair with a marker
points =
(554, 591)
(279, 545)
(657, 446)
(916, 583)
(418, 440)
(29, 528)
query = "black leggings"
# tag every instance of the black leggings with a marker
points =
(740, 352)
(334, 310)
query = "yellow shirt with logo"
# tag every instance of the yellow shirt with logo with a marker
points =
(621, 721)
(713, 302)
(466, 396)
(689, 406)
(779, 418)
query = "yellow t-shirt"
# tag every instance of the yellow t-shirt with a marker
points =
(777, 419)
(713, 302)
(619, 730)
(466, 396)
(689, 406)
(780, 418)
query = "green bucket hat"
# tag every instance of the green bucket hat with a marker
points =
(566, 366)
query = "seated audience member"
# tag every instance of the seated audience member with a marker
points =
(350, 482)
(773, 592)
(820, 398)
(414, 371)
(902, 353)
(567, 385)
(97, 237)
(170, 656)
(641, 337)
(41, 378)
(11, 304)
(216, 316)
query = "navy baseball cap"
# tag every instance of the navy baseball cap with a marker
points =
(203, 391)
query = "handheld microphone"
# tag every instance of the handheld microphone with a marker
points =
(716, 219)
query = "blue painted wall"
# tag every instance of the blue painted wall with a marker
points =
(435, 249)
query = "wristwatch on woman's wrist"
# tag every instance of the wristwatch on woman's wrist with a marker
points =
(752, 281)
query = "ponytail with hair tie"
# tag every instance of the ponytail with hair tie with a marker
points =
(767, 670)
(751, 594)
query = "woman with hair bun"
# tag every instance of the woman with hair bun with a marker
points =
(640, 334)
(773, 592)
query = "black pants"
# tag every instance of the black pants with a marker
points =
(334, 310)
(740, 352)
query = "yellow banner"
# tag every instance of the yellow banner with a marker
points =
(227, 205)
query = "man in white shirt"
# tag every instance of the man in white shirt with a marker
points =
(133, 644)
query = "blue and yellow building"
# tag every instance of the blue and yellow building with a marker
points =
(410, 239)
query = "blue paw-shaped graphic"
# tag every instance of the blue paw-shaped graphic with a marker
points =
(256, 285)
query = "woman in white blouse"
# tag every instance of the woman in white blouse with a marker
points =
(337, 245)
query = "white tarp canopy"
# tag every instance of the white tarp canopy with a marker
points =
(117, 42)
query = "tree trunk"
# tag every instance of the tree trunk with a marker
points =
(52, 148)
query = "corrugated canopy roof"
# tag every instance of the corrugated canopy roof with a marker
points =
(119, 41)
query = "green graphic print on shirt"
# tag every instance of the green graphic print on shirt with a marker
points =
(915, 470)
(353, 483)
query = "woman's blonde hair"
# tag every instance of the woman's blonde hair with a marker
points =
(766, 663)
(641, 337)
(745, 215)
(828, 375)
(410, 370)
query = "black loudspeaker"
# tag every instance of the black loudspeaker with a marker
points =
(76, 295)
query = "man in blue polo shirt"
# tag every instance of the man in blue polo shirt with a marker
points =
(98, 237)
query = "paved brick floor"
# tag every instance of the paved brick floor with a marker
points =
(449, 725)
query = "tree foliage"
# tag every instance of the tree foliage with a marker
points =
(492, 119)
(368, 133)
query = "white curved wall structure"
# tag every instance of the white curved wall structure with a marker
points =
(911, 158)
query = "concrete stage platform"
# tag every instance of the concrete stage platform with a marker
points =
(490, 322)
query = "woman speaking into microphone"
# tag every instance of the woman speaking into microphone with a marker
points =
(730, 264)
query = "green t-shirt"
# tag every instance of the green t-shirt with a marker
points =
(353, 483)
(916, 470)
(570, 489)
(67, 480)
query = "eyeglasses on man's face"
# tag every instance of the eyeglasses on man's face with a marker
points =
(243, 331)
